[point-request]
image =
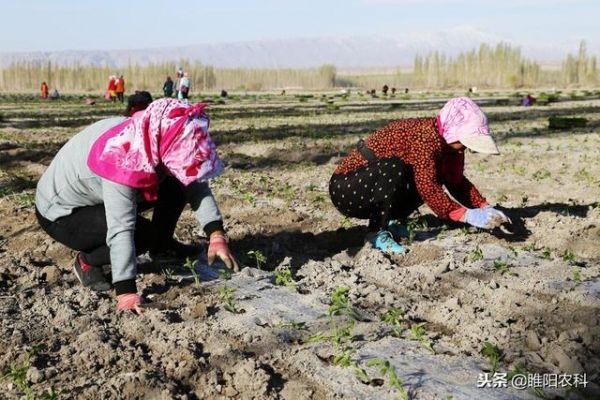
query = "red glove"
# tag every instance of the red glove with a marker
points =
(217, 247)
(130, 302)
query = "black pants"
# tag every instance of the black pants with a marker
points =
(85, 228)
(120, 96)
(382, 191)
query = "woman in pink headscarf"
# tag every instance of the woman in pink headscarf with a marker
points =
(91, 195)
(409, 162)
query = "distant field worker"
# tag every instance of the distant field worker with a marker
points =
(407, 163)
(111, 92)
(184, 87)
(168, 87)
(120, 88)
(44, 90)
(91, 195)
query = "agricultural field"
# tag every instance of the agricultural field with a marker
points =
(315, 314)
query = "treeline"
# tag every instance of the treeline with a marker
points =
(500, 66)
(28, 76)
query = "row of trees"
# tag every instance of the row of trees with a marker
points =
(500, 66)
(27, 76)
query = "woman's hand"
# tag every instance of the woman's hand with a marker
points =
(130, 302)
(485, 218)
(217, 247)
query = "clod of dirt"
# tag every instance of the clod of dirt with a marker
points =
(250, 380)
(51, 274)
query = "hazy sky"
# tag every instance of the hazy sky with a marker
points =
(29, 25)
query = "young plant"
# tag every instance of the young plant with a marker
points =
(249, 197)
(502, 267)
(501, 197)
(386, 369)
(18, 374)
(340, 305)
(346, 223)
(412, 231)
(169, 273)
(227, 295)
(393, 317)
(493, 354)
(259, 258)
(225, 274)
(191, 265)
(419, 334)
(569, 257)
(577, 276)
(521, 369)
(299, 326)
(547, 254)
(283, 277)
(475, 255)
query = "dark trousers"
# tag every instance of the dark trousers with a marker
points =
(85, 228)
(120, 97)
(382, 191)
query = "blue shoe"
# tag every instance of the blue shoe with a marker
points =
(385, 242)
(397, 229)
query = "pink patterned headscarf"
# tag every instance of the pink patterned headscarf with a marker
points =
(170, 132)
(460, 118)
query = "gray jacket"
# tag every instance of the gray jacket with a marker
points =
(68, 183)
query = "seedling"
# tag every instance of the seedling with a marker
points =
(394, 317)
(289, 193)
(300, 326)
(530, 247)
(343, 358)
(191, 265)
(249, 197)
(18, 374)
(360, 372)
(475, 255)
(227, 295)
(569, 257)
(541, 174)
(346, 223)
(493, 354)
(412, 232)
(577, 275)
(419, 334)
(225, 274)
(547, 254)
(340, 305)
(259, 258)
(442, 232)
(318, 337)
(521, 369)
(169, 273)
(283, 277)
(387, 369)
(502, 267)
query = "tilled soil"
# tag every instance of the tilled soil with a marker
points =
(533, 292)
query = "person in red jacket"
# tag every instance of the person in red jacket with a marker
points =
(44, 90)
(408, 163)
(112, 89)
